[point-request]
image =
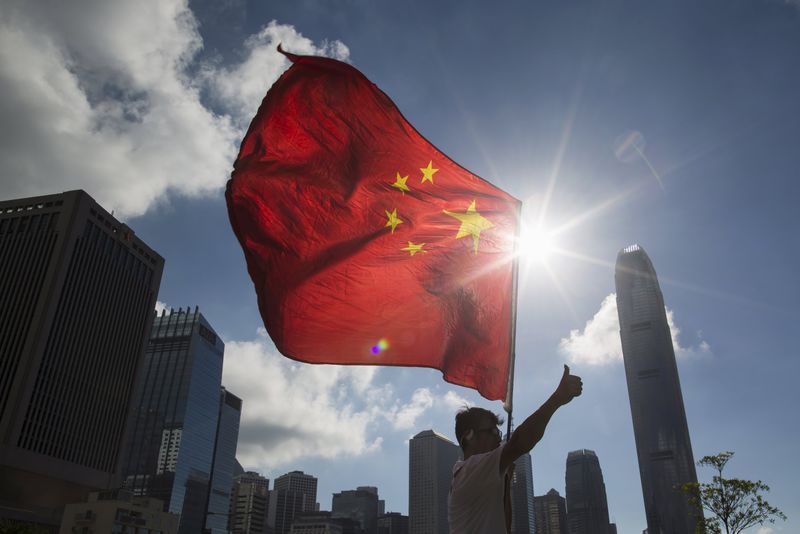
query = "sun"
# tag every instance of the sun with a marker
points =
(536, 244)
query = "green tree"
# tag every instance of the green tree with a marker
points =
(734, 504)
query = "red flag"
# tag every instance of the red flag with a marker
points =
(365, 243)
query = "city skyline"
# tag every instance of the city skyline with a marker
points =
(668, 125)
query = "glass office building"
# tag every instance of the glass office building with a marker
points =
(522, 518)
(659, 420)
(219, 498)
(360, 505)
(176, 415)
(587, 506)
(431, 457)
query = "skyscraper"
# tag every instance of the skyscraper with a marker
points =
(176, 416)
(587, 508)
(294, 493)
(551, 513)
(522, 518)
(284, 506)
(249, 501)
(219, 496)
(360, 505)
(430, 470)
(654, 390)
(305, 484)
(77, 293)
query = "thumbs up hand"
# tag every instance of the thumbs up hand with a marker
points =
(570, 387)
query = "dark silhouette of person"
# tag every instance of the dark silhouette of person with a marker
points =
(480, 492)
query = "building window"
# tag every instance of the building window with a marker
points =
(647, 373)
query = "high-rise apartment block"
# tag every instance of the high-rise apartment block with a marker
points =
(430, 470)
(300, 482)
(294, 493)
(249, 502)
(184, 428)
(284, 507)
(77, 292)
(522, 517)
(551, 513)
(587, 507)
(663, 446)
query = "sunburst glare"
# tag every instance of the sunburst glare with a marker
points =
(536, 244)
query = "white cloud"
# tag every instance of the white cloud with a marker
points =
(99, 95)
(239, 89)
(454, 402)
(161, 307)
(599, 342)
(405, 417)
(765, 530)
(293, 410)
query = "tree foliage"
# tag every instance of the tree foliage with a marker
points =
(734, 504)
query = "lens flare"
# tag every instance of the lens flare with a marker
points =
(380, 346)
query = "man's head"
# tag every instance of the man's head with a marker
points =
(477, 430)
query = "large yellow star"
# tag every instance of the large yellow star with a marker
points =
(472, 223)
(394, 220)
(413, 249)
(428, 172)
(400, 183)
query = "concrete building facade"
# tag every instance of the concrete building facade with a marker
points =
(118, 512)
(551, 513)
(249, 504)
(77, 293)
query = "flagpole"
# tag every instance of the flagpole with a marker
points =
(508, 405)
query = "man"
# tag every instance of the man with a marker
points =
(480, 493)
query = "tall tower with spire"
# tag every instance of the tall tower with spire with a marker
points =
(659, 419)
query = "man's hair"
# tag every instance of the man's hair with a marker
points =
(469, 418)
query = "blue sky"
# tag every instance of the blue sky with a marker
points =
(143, 105)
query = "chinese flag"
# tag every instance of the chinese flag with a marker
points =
(365, 243)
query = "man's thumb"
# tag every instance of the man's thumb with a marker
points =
(566, 370)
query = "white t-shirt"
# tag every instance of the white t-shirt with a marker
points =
(476, 495)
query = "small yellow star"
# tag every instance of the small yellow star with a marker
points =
(413, 249)
(394, 220)
(400, 183)
(472, 223)
(428, 172)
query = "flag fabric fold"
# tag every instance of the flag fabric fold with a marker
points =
(366, 244)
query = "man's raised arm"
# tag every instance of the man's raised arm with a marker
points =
(531, 430)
